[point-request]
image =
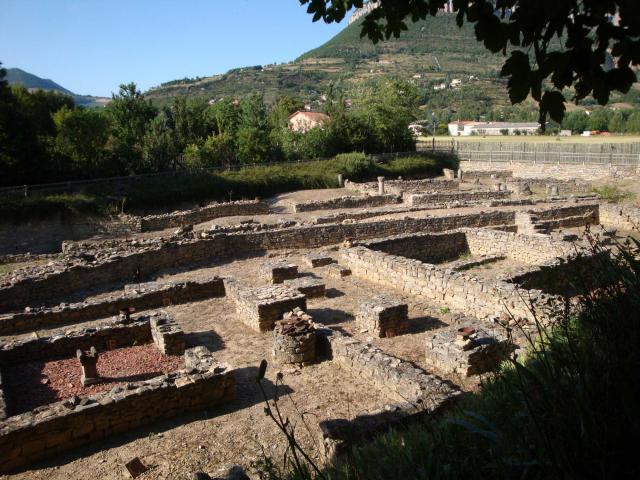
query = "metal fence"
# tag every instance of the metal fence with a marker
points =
(560, 158)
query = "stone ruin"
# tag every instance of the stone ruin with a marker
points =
(390, 258)
(294, 338)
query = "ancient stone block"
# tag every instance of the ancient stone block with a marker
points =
(469, 350)
(338, 271)
(383, 316)
(315, 260)
(260, 307)
(310, 287)
(278, 271)
(167, 334)
(294, 338)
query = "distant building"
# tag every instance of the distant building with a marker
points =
(566, 133)
(440, 86)
(303, 121)
(455, 83)
(466, 128)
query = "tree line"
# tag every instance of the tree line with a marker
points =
(44, 137)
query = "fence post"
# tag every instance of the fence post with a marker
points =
(26, 190)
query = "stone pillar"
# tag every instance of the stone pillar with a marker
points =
(460, 174)
(89, 363)
(340, 180)
(380, 185)
(553, 190)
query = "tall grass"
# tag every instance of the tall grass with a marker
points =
(247, 183)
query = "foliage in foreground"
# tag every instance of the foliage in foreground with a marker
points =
(200, 187)
(567, 410)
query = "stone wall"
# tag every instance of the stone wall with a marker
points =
(114, 334)
(528, 249)
(550, 170)
(133, 260)
(401, 186)
(428, 248)
(46, 236)
(416, 391)
(417, 199)
(444, 287)
(346, 202)
(139, 296)
(623, 217)
(203, 214)
(65, 425)
(565, 187)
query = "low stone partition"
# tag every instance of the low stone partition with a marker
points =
(383, 316)
(428, 247)
(471, 175)
(113, 334)
(466, 351)
(418, 392)
(528, 249)
(58, 427)
(474, 261)
(315, 260)
(562, 187)
(104, 263)
(260, 307)
(336, 270)
(418, 199)
(277, 271)
(167, 335)
(139, 296)
(346, 202)
(398, 187)
(562, 171)
(310, 287)
(623, 217)
(203, 214)
(444, 287)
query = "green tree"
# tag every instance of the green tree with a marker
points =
(618, 122)
(599, 119)
(252, 140)
(130, 114)
(633, 123)
(160, 146)
(81, 138)
(576, 121)
(586, 30)
(190, 120)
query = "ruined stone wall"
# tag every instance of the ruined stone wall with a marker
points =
(346, 202)
(203, 214)
(400, 186)
(549, 170)
(138, 296)
(416, 199)
(46, 236)
(64, 425)
(428, 248)
(103, 337)
(119, 264)
(529, 249)
(460, 292)
(565, 187)
(578, 210)
(623, 217)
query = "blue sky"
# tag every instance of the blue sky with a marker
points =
(91, 46)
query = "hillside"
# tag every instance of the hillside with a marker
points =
(33, 82)
(433, 50)
(429, 53)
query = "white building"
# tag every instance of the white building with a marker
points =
(466, 128)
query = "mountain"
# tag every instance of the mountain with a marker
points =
(456, 74)
(33, 82)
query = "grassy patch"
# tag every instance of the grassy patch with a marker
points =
(612, 193)
(249, 182)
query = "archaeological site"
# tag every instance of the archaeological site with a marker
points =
(373, 304)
